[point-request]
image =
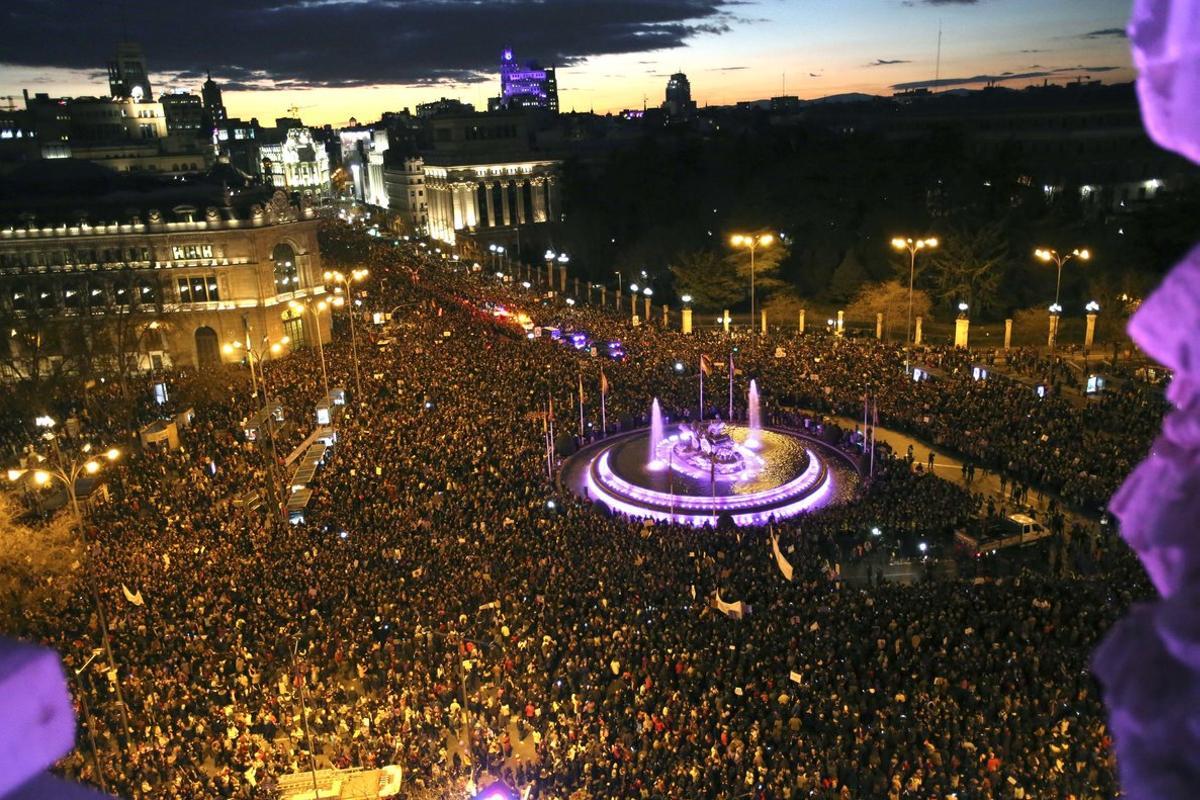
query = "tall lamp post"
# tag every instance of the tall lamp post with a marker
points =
(1049, 255)
(258, 354)
(315, 310)
(68, 469)
(751, 243)
(912, 246)
(346, 281)
(618, 292)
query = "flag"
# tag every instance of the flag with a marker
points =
(705, 366)
(784, 565)
(582, 396)
(552, 409)
(732, 610)
(136, 599)
(603, 383)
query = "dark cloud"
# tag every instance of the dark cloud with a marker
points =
(1033, 51)
(1105, 33)
(334, 43)
(815, 75)
(949, 2)
(887, 62)
(981, 80)
(724, 69)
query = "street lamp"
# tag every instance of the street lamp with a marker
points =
(316, 315)
(633, 292)
(357, 276)
(752, 243)
(618, 292)
(648, 293)
(1049, 255)
(67, 470)
(912, 246)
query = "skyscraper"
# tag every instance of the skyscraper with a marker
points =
(528, 86)
(679, 103)
(127, 74)
(214, 109)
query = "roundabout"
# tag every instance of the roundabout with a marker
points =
(695, 473)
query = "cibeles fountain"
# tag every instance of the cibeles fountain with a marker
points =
(697, 471)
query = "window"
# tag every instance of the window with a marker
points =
(196, 289)
(286, 275)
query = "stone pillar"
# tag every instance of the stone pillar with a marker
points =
(725, 320)
(687, 320)
(962, 328)
(879, 326)
(550, 274)
(1089, 338)
(800, 329)
(1053, 337)
(471, 201)
(489, 204)
(666, 316)
(538, 187)
(457, 204)
(551, 199)
(841, 322)
(604, 296)
(504, 202)
(520, 193)
(1007, 334)
(577, 288)
(647, 301)
(562, 279)
(917, 332)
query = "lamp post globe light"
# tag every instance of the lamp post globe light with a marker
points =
(67, 468)
(1049, 255)
(752, 243)
(912, 247)
(345, 281)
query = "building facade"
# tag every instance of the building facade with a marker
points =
(184, 113)
(128, 77)
(526, 86)
(679, 103)
(90, 296)
(405, 185)
(297, 164)
(214, 107)
(472, 198)
(362, 151)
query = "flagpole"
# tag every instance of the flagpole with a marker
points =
(702, 388)
(603, 410)
(731, 380)
(580, 406)
(874, 428)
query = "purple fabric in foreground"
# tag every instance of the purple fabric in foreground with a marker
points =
(1150, 662)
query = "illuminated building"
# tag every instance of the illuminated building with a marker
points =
(162, 273)
(404, 182)
(482, 178)
(525, 86)
(363, 150)
(679, 103)
(297, 164)
(128, 77)
(184, 113)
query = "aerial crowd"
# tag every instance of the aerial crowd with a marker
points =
(445, 607)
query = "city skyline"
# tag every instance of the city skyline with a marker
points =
(610, 55)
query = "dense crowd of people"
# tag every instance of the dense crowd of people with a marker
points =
(444, 607)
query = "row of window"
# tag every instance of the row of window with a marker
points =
(78, 294)
(73, 256)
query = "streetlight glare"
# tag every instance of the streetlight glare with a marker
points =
(92, 467)
(41, 477)
(687, 298)
(633, 287)
(647, 291)
(736, 240)
(1085, 254)
(113, 454)
(899, 243)
(766, 239)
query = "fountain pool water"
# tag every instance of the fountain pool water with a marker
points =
(653, 462)
(754, 439)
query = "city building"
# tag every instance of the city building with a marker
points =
(404, 181)
(483, 179)
(184, 113)
(298, 163)
(362, 154)
(128, 78)
(102, 272)
(525, 86)
(445, 105)
(214, 108)
(679, 103)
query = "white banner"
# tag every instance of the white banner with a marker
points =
(732, 610)
(784, 565)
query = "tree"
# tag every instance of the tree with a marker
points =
(847, 278)
(766, 267)
(968, 267)
(711, 280)
(889, 298)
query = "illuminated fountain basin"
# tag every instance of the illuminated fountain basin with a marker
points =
(784, 475)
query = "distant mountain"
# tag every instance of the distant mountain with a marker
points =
(849, 97)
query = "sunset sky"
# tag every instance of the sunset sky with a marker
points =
(335, 59)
